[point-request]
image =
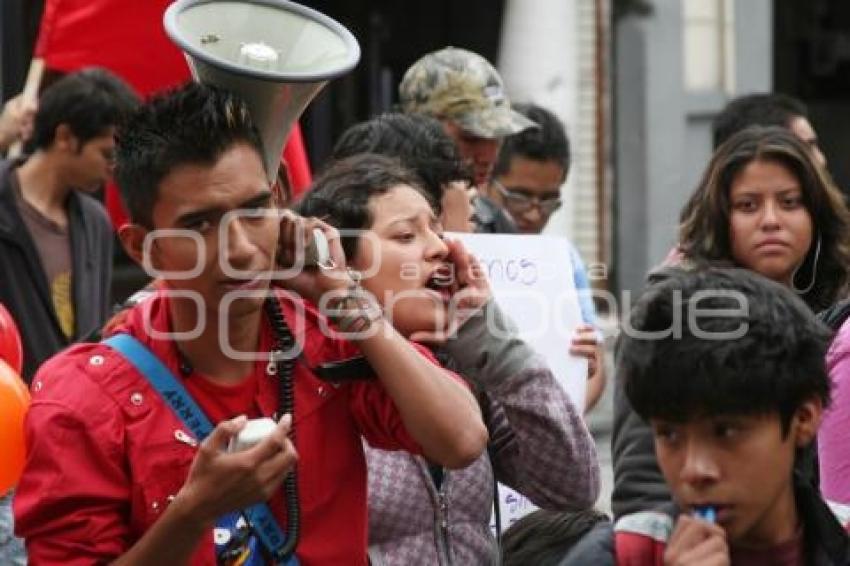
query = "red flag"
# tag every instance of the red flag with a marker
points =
(295, 155)
(128, 38)
(124, 36)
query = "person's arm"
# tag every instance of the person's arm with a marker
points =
(440, 413)
(540, 445)
(172, 539)
(833, 448)
(638, 482)
(72, 498)
(78, 512)
(587, 341)
(538, 436)
(218, 483)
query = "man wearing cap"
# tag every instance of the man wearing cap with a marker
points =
(463, 90)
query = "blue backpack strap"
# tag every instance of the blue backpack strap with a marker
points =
(161, 378)
(259, 516)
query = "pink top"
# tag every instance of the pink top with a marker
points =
(833, 444)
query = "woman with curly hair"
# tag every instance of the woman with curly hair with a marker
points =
(763, 204)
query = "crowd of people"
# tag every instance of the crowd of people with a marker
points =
(398, 391)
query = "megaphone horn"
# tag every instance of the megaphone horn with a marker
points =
(275, 54)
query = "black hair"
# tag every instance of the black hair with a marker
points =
(762, 109)
(548, 142)
(340, 195)
(193, 124)
(704, 234)
(722, 342)
(89, 102)
(544, 538)
(418, 141)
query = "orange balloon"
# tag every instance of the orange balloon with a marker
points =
(14, 400)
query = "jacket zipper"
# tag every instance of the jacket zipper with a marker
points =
(443, 523)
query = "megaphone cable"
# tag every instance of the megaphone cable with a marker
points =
(284, 342)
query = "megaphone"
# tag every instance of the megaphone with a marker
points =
(275, 54)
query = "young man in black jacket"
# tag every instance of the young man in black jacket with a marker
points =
(55, 239)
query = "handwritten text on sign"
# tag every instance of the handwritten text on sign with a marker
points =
(532, 279)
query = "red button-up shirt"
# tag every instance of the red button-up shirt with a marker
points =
(106, 454)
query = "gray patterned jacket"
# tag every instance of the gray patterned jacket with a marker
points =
(539, 446)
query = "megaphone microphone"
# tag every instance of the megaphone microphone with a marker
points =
(275, 54)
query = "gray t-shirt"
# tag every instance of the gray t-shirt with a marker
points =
(53, 243)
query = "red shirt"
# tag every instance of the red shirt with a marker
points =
(106, 454)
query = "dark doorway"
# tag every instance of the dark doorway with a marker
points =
(19, 21)
(812, 62)
(392, 36)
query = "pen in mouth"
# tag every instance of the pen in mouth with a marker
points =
(706, 513)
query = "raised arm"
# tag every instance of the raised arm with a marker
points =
(438, 411)
(539, 443)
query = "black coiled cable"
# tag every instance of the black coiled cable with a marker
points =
(284, 343)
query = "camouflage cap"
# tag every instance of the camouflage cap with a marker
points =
(461, 86)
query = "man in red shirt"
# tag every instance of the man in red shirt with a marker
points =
(114, 474)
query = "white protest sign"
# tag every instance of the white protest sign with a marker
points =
(532, 280)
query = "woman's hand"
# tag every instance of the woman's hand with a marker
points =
(470, 291)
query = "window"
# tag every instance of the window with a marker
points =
(709, 45)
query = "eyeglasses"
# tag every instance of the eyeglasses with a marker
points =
(520, 201)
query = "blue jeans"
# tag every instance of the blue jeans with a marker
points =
(12, 552)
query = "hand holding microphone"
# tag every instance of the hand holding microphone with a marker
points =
(239, 464)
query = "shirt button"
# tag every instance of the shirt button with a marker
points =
(322, 392)
(155, 505)
(185, 438)
(136, 399)
(96, 360)
(37, 386)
